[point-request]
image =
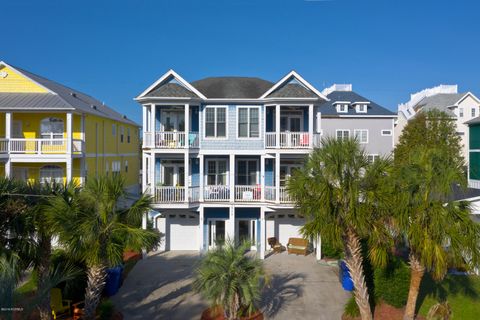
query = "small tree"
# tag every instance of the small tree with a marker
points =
(438, 231)
(94, 227)
(230, 279)
(345, 198)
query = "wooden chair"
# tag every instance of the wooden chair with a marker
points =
(297, 246)
(59, 306)
(275, 245)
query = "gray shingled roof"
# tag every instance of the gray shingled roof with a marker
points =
(232, 87)
(329, 108)
(292, 90)
(171, 90)
(65, 99)
(473, 121)
(441, 101)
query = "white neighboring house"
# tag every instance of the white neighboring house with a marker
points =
(461, 106)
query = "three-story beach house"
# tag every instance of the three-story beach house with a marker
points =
(49, 132)
(217, 153)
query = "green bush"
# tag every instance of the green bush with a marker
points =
(330, 251)
(392, 283)
(105, 310)
(351, 308)
(73, 289)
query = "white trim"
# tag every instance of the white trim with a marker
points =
(260, 127)
(365, 116)
(465, 96)
(374, 155)
(386, 135)
(336, 133)
(339, 107)
(357, 107)
(257, 168)
(204, 116)
(94, 155)
(342, 102)
(356, 131)
(293, 74)
(168, 74)
(24, 75)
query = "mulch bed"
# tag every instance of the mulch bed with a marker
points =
(385, 311)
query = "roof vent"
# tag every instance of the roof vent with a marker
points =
(337, 87)
(124, 117)
(93, 107)
(73, 94)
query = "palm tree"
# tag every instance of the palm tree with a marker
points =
(437, 230)
(94, 226)
(228, 278)
(344, 198)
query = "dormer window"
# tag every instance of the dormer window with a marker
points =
(361, 108)
(342, 107)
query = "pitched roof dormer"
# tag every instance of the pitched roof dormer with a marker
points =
(361, 106)
(342, 106)
(293, 86)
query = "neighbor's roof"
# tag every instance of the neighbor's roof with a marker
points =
(173, 90)
(459, 193)
(329, 108)
(232, 87)
(473, 121)
(441, 101)
(62, 98)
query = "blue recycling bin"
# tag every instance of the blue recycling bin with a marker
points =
(345, 277)
(114, 278)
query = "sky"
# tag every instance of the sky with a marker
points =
(113, 50)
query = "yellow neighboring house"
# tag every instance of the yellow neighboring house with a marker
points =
(51, 132)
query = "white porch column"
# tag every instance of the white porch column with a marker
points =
(8, 135)
(68, 168)
(186, 165)
(318, 254)
(202, 167)
(144, 227)
(144, 172)
(310, 124)
(8, 168)
(262, 177)
(262, 233)
(231, 224)
(231, 179)
(153, 121)
(200, 230)
(68, 164)
(277, 125)
(187, 125)
(152, 173)
(277, 177)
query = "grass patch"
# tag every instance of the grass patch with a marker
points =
(461, 292)
(29, 287)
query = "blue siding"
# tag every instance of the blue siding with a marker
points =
(247, 213)
(157, 119)
(305, 118)
(269, 172)
(195, 172)
(231, 142)
(157, 170)
(270, 119)
(195, 118)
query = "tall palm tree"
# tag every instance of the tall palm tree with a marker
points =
(438, 231)
(227, 277)
(344, 199)
(96, 224)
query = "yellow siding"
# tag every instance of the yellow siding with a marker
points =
(15, 82)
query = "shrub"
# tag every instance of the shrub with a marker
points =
(73, 289)
(440, 311)
(351, 308)
(105, 310)
(392, 283)
(330, 251)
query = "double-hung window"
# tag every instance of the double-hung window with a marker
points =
(373, 157)
(343, 134)
(474, 112)
(217, 172)
(247, 172)
(248, 122)
(361, 135)
(215, 122)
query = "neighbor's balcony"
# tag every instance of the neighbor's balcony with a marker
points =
(39, 146)
(271, 195)
(175, 194)
(291, 140)
(171, 140)
(216, 193)
(248, 193)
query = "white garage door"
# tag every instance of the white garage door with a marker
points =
(284, 226)
(182, 232)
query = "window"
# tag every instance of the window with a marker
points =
(122, 129)
(342, 108)
(247, 172)
(126, 166)
(51, 174)
(343, 134)
(386, 132)
(215, 122)
(248, 122)
(373, 157)
(216, 172)
(114, 129)
(474, 112)
(116, 167)
(460, 112)
(361, 135)
(51, 128)
(128, 135)
(361, 108)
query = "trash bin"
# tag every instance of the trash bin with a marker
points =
(114, 277)
(345, 277)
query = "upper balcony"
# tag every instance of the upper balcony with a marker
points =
(40, 146)
(171, 140)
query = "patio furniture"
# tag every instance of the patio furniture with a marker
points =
(297, 246)
(58, 304)
(275, 245)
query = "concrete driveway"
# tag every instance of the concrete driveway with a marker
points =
(300, 288)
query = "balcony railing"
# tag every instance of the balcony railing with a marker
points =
(248, 193)
(284, 196)
(171, 139)
(169, 194)
(216, 193)
(270, 193)
(289, 140)
(39, 146)
(193, 194)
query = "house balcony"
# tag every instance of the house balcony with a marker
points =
(40, 146)
(271, 193)
(169, 194)
(171, 140)
(218, 193)
(292, 140)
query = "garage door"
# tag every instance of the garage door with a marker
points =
(182, 232)
(288, 226)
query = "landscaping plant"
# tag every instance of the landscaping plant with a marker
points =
(345, 198)
(230, 279)
(438, 231)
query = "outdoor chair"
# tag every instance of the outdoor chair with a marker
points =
(297, 246)
(275, 245)
(59, 306)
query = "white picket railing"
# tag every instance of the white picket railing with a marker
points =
(270, 193)
(248, 193)
(216, 193)
(3, 145)
(193, 194)
(194, 140)
(169, 194)
(474, 184)
(270, 139)
(171, 139)
(284, 196)
(39, 146)
(148, 139)
(289, 140)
